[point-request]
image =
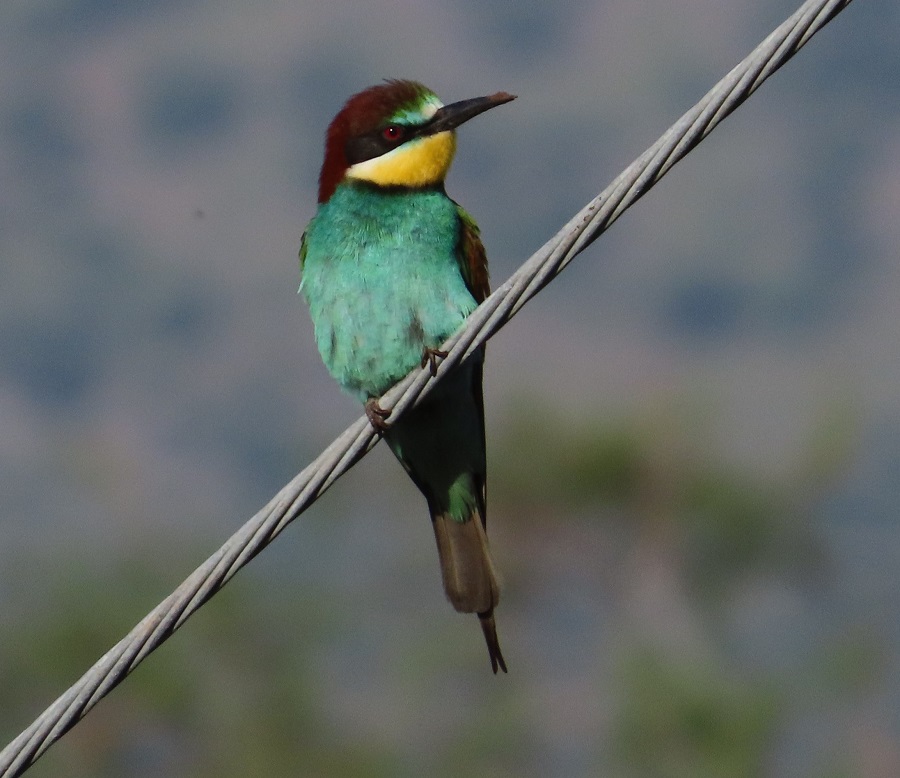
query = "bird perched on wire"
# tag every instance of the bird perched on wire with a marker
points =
(391, 267)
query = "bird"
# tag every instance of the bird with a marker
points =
(390, 268)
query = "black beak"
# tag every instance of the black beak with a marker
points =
(451, 116)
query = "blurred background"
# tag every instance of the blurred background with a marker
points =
(693, 435)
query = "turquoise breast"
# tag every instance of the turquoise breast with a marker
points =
(383, 282)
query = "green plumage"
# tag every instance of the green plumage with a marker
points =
(382, 278)
(390, 271)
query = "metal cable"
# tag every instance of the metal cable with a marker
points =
(354, 443)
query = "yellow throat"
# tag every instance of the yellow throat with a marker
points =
(421, 162)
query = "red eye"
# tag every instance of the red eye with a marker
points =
(392, 132)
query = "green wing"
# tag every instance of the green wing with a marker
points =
(302, 257)
(471, 256)
(474, 268)
(302, 250)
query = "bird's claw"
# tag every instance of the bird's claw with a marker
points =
(431, 356)
(376, 414)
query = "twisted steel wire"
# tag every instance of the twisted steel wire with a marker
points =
(544, 265)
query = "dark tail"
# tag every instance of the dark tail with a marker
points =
(468, 573)
(490, 637)
(441, 444)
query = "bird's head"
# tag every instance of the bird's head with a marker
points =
(396, 134)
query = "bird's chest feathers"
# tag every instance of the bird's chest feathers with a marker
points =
(383, 283)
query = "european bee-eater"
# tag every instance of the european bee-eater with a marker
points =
(391, 267)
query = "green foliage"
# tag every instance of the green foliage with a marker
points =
(685, 719)
(224, 697)
(658, 469)
(596, 463)
(294, 678)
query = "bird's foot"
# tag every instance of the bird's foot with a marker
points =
(431, 357)
(376, 415)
